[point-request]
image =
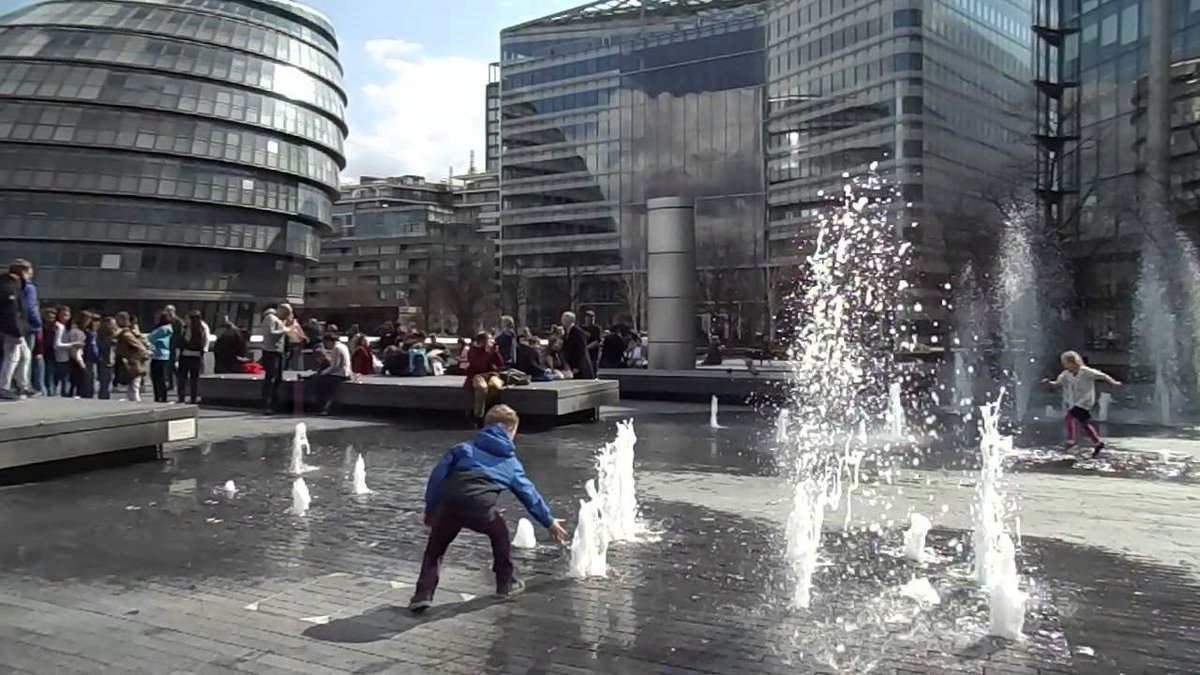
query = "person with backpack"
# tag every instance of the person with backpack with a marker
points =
(193, 346)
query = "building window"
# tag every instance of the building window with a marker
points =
(907, 61)
(905, 18)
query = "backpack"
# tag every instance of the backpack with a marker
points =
(195, 340)
(418, 364)
(514, 378)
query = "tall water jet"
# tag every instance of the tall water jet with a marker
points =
(589, 546)
(781, 426)
(969, 311)
(1020, 310)
(1167, 322)
(841, 350)
(300, 497)
(712, 415)
(994, 560)
(360, 477)
(895, 411)
(617, 492)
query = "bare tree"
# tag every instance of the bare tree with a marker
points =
(633, 293)
(470, 288)
(431, 297)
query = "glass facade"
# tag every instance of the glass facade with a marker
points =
(1107, 52)
(182, 151)
(600, 112)
(931, 90)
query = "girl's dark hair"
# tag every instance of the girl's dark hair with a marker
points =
(481, 338)
(164, 318)
(195, 320)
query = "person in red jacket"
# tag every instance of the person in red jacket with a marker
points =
(362, 361)
(482, 371)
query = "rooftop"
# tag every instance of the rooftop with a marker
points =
(608, 9)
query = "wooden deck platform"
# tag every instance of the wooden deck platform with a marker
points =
(49, 435)
(730, 386)
(557, 402)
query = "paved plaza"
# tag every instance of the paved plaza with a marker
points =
(153, 568)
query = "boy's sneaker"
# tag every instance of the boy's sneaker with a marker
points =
(1097, 449)
(420, 602)
(510, 590)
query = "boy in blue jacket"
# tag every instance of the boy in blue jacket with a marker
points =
(462, 493)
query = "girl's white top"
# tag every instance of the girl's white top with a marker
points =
(1079, 389)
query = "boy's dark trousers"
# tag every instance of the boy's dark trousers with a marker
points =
(446, 526)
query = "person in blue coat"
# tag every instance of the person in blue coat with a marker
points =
(462, 493)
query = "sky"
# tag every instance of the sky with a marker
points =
(416, 71)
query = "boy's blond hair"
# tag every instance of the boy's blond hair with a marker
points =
(502, 414)
(1071, 356)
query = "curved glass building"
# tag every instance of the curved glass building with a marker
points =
(168, 151)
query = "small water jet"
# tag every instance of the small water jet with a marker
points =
(617, 491)
(781, 426)
(914, 537)
(993, 560)
(589, 546)
(300, 497)
(712, 416)
(1006, 609)
(525, 537)
(230, 489)
(895, 411)
(920, 590)
(300, 448)
(1105, 407)
(360, 477)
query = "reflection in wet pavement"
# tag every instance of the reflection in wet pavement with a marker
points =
(233, 580)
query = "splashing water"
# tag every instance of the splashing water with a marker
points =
(1006, 608)
(360, 477)
(781, 426)
(969, 312)
(1021, 310)
(914, 537)
(617, 492)
(993, 560)
(300, 448)
(230, 489)
(1105, 407)
(712, 415)
(922, 591)
(840, 352)
(300, 497)
(1167, 324)
(589, 546)
(895, 411)
(525, 537)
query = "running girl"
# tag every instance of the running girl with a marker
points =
(1079, 392)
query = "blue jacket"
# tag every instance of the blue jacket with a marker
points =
(160, 343)
(31, 306)
(471, 476)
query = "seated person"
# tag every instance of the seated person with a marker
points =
(529, 362)
(636, 357)
(715, 355)
(333, 374)
(552, 359)
(456, 365)
(362, 360)
(418, 356)
(395, 361)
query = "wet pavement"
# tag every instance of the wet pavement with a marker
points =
(152, 568)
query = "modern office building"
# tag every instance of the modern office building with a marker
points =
(403, 247)
(183, 152)
(750, 110)
(607, 105)
(1095, 80)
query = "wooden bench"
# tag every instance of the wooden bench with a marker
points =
(562, 401)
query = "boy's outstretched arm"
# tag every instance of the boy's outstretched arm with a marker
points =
(523, 488)
(435, 481)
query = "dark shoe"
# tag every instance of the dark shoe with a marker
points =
(510, 590)
(420, 602)
(1096, 451)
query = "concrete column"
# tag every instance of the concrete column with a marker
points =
(1158, 109)
(671, 283)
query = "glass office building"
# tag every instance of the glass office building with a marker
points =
(932, 90)
(607, 105)
(1096, 57)
(182, 151)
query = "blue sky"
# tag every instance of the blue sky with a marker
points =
(415, 75)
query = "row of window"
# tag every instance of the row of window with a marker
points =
(563, 71)
(160, 92)
(45, 168)
(252, 14)
(188, 136)
(174, 23)
(179, 57)
(553, 104)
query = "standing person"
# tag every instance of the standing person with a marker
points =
(160, 340)
(45, 349)
(506, 339)
(14, 326)
(273, 334)
(91, 354)
(34, 315)
(229, 349)
(575, 349)
(132, 354)
(462, 492)
(193, 347)
(62, 353)
(329, 378)
(294, 340)
(484, 364)
(106, 344)
(594, 335)
(1078, 383)
(76, 336)
(176, 343)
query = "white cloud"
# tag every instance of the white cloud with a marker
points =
(425, 116)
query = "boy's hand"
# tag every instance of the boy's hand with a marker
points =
(557, 531)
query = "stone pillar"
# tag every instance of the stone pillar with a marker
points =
(671, 283)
